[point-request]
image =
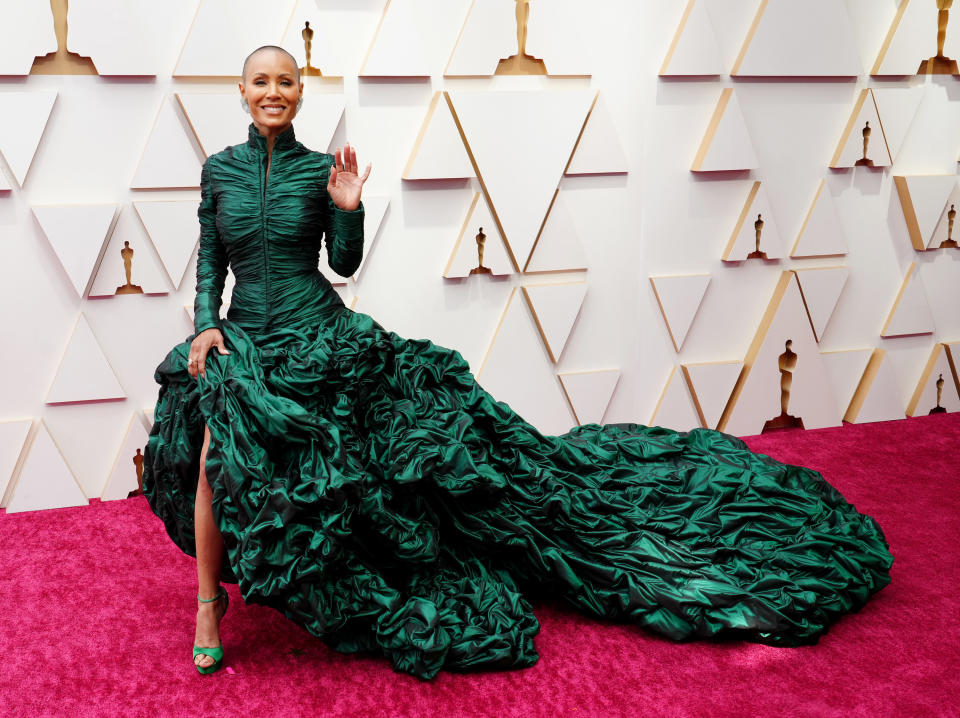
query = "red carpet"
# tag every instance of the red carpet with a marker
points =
(98, 607)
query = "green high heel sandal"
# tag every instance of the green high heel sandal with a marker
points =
(215, 653)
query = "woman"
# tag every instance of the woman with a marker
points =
(367, 487)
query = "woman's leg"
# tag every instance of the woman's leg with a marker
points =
(209, 558)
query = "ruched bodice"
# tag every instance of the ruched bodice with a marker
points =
(370, 489)
(270, 229)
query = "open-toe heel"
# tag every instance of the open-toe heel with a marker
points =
(215, 653)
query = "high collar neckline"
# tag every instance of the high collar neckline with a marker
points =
(284, 140)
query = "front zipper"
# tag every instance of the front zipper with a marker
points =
(263, 229)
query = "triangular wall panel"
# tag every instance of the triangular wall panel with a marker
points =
(598, 150)
(821, 234)
(46, 480)
(533, 130)
(31, 35)
(726, 144)
(679, 298)
(912, 39)
(947, 232)
(821, 289)
(675, 409)
(130, 38)
(558, 248)
(374, 210)
(864, 126)
(877, 397)
(555, 308)
(439, 152)
(174, 230)
(711, 384)
(146, 268)
(84, 373)
(170, 159)
(760, 392)
(897, 106)
(123, 476)
(465, 254)
(77, 233)
(518, 371)
(22, 128)
(936, 390)
(845, 369)
(694, 50)
(225, 31)
(924, 200)
(554, 35)
(756, 216)
(810, 39)
(393, 54)
(910, 313)
(13, 436)
(589, 392)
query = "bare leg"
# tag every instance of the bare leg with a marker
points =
(209, 557)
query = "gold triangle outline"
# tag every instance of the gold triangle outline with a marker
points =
(845, 137)
(806, 221)
(536, 317)
(66, 348)
(21, 457)
(483, 184)
(194, 142)
(573, 410)
(773, 306)
(31, 440)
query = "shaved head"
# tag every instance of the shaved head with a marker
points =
(275, 48)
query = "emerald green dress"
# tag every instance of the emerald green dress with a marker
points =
(367, 486)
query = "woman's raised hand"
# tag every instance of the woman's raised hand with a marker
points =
(345, 183)
(200, 346)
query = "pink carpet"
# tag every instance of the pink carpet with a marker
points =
(98, 606)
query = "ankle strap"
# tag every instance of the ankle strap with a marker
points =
(220, 593)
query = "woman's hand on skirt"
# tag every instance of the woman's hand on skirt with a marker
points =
(201, 344)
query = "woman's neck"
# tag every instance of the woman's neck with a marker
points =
(270, 134)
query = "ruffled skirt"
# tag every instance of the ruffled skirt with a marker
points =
(370, 489)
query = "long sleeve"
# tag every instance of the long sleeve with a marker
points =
(211, 260)
(343, 232)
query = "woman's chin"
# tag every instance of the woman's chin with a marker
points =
(273, 122)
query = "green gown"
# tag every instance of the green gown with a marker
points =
(367, 487)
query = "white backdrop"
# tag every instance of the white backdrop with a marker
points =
(657, 219)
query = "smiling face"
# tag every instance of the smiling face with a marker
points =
(271, 85)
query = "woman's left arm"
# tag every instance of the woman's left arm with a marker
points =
(344, 225)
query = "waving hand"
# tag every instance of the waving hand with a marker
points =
(345, 183)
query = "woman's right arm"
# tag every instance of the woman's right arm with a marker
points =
(211, 274)
(211, 260)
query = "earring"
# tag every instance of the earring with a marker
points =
(299, 103)
(245, 105)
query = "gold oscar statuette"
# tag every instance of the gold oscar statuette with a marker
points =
(787, 362)
(950, 241)
(863, 161)
(62, 62)
(307, 35)
(939, 409)
(521, 63)
(138, 463)
(940, 64)
(758, 230)
(129, 287)
(481, 241)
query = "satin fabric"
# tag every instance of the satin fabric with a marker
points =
(370, 489)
